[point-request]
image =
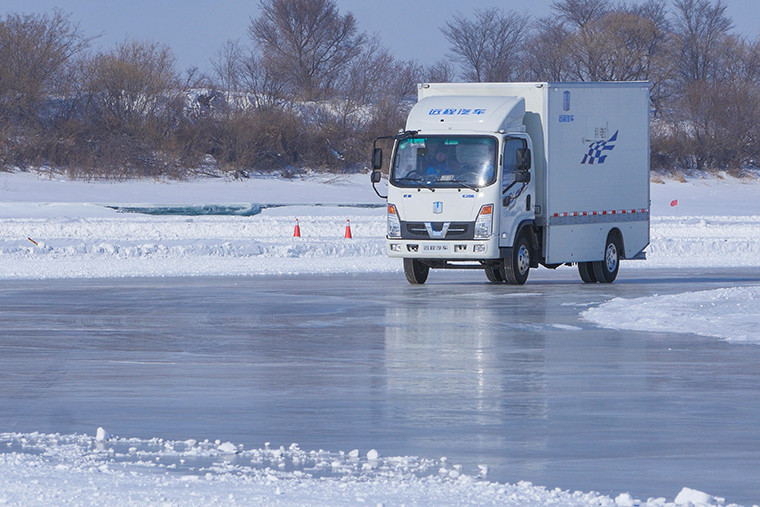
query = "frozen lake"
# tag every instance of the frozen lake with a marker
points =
(503, 376)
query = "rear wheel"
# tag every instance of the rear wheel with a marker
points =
(416, 272)
(517, 265)
(586, 270)
(606, 270)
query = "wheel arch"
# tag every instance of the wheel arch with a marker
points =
(528, 227)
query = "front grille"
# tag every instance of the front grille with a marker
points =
(419, 230)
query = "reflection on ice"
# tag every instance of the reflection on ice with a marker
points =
(465, 367)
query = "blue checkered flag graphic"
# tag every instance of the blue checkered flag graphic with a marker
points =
(597, 151)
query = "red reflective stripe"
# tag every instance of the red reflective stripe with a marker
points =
(595, 213)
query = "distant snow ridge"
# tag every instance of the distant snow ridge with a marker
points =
(732, 314)
(43, 469)
(123, 245)
(722, 241)
(183, 246)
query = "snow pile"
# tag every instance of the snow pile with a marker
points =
(44, 469)
(732, 314)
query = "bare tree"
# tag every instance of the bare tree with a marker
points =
(229, 66)
(618, 47)
(488, 47)
(578, 13)
(717, 120)
(700, 26)
(309, 39)
(441, 71)
(373, 93)
(34, 51)
(547, 58)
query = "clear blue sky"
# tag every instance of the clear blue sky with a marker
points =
(197, 29)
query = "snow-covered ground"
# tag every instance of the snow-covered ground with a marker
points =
(53, 228)
(101, 469)
(63, 229)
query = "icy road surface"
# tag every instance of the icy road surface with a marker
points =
(512, 383)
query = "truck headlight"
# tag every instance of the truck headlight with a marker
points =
(394, 225)
(484, 222)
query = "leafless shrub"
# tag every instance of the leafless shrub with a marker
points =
(133, 104)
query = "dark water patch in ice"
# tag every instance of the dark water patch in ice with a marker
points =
(245, 210)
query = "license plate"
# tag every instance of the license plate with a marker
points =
(435, 248)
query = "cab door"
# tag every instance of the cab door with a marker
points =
(516, 196)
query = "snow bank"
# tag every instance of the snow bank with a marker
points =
(143, 245)
(45, 469)
(732, 314)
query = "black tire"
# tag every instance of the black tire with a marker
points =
(606, 270)
(586, 270)
(517, 265)
(494, 274)
(416, 272)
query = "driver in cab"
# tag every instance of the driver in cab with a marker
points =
(440, 164)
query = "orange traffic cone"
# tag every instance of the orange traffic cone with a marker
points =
(297, 230)
(348, 230)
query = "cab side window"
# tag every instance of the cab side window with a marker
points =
(510, 159)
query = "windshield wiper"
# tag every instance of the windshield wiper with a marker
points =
(418, 180)
(464, 184)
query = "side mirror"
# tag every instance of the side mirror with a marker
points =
(377, 159)
(376, 176)
(522, 176)
(522, 157)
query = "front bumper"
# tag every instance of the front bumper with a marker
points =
(454, 250)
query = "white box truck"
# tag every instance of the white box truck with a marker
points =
(505, 177)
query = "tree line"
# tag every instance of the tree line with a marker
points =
(306, 89)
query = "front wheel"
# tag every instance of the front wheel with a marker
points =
(494, 274)
(416, 272)
(517, 265)
(586, 270)
(606, 270)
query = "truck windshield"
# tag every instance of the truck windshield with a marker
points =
(445, 162)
